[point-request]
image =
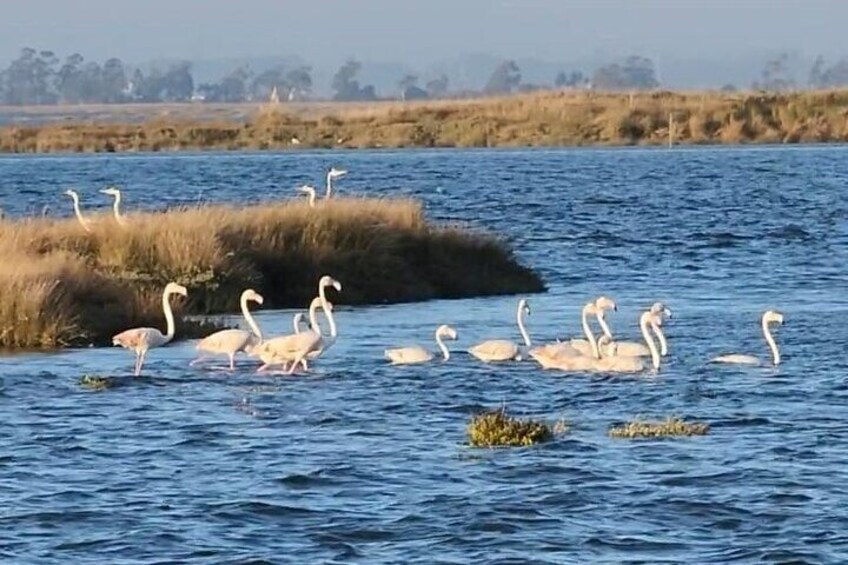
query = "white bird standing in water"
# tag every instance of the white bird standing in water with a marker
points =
(84, 222)
(310, 192)
(333, 174)
(417, 354)
(140, 340)
(116, 206)
(229, 342)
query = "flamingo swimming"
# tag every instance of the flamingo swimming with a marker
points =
(417, 354)
(501, 349)
(769, 317)
(140, 340)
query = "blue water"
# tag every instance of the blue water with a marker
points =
(363, 462)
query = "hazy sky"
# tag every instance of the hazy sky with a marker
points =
(420, 31)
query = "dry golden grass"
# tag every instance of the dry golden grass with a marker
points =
(671, 427)
(60, 285)
(553, 118)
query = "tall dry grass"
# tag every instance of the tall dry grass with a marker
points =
(60, 285)
(560, 118)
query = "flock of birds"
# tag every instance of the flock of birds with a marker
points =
(297, 349)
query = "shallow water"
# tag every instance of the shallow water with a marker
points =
(362, 462)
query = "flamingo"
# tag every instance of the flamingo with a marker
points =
(116, 207)
(229, 342)
(84, 222)
(297, 347)
(547, 354)
(310, 192)
(502, 349)
(141, 340)
(417, 354)
(769, 317)
(333, 174)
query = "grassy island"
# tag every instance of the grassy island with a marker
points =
(554, 118)
(61, 285)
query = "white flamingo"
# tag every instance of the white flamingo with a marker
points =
(610, 346)
(546, 355)
(295, 348)
(333, 174)
(140, 340)
(84, 222)
(417, 354)
(502, 349)
(229, 342)
(618, 363)
(116, 206)
(602, 304)
(310, 192)
(769, 317)
(297, 319)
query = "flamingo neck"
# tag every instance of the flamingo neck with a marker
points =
(312, 199)
(169, 316)
(296, 322)
(658, 331)
(775, 353)
(442, 346)
(645, 324)
(78, 212)
(116, 208)
(328, 313)
(313, 317)
(250, 320)
(602, 321)
(587, 329)
(520, 318)
(329, 186)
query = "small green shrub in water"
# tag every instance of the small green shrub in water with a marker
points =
(96, 382)
(671, 427)
(497, 429)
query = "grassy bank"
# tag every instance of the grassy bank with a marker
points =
(62, 286)
(539, 119)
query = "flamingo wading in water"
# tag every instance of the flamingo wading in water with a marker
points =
(229, 342)
(140, 340)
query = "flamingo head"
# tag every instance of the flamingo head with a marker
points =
(661, 309)
(111, 191)
(603, 303)
(174, 288)
(307, 189)
(523, 306)
(446, 331)
(773, 317)
(71, 193)
(336, 173)
(327, 280)
(316, 303)
(251, 294)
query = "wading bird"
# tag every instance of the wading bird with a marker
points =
(229, 342)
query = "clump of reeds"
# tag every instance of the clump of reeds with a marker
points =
(496, 428)
(670, 427)
(61, 285)
(96, 382)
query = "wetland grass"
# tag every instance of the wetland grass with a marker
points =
(61, 285)
(670, 427)
(495, 428)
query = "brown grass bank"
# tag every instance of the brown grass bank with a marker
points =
(539, 119)
(62, 286)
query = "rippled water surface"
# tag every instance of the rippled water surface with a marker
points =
(362, 462)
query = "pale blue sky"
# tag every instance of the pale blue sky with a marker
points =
(419, 32)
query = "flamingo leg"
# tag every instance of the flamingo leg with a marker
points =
(136, 368)
(196, 361)
(232, 362)
(140, 363)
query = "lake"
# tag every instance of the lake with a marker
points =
(364, 462)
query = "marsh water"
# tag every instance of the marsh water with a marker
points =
(363, 462)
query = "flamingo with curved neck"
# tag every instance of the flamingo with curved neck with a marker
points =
(116, 206)
(495, 350)
(548, 354)
(84, 222)
(140, 340)
(310, 192)
(333, 174)
(229, 342)
(417, 354)
(769, 317)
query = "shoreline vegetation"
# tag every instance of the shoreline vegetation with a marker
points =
(61, 286)
(542, 119)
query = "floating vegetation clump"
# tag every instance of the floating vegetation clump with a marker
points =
(497, 429)
(96, 382)
(671, 427)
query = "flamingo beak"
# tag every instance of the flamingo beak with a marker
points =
(337, 285)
